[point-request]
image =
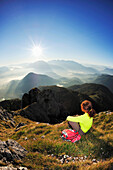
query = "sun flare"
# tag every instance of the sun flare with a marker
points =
(37, 50)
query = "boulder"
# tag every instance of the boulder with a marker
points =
(10, 151)
(17, 150)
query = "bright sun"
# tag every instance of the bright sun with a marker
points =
(37, 50)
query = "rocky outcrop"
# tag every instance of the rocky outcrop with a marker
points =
(50, 105)
(53, 104)
(30, 98)
(6, 115)
(11, 151)
(11, 105)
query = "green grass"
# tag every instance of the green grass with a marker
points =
(43, 140)
(17, 135)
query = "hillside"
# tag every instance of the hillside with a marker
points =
(99, 93)
(15, 88)
(46, 150)
(106, 80)
(31, 80)
(66, 82)
(52, 104)
(10, 90)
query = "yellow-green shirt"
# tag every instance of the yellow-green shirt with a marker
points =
(84, 120)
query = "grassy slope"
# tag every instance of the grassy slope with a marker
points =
(97, 143)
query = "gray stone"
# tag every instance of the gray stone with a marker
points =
(94, 160)
(6, 115)
(43, 136)
(12, 168)
(27, 138)
(11, 150)
(20, 125)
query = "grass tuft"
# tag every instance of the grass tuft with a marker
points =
(43, 140)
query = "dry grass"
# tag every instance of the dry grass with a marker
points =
(42, 140)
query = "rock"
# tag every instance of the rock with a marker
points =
(76, 158)
(94, 160)
(30, 98)
(85, 157)
(7, 168)
(81, 158)
(37, 122)
(6, 115)
(33, 95)
(65, 156)
(27, 138)
(25, 100)
(17, 149)
(17, 129)
(22, 168)
(12, 123)
(35, 112)
(51, 105)
(5, 152)
(43, 136)
(11, 150)
(20, 125)
(12, 168)
(108, 112)
(11, 105)
(62, 161)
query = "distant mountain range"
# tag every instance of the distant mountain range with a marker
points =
(53, 68)
(17, 87)
(55, 72)
(108, 71)
(72, 66)
(106, 80)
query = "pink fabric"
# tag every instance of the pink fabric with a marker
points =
(70, 135)
(77, 138)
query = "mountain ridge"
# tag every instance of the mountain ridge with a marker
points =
(106, 80)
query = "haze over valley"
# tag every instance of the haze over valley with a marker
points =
(18, 79)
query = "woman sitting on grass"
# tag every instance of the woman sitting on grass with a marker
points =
(84, 122)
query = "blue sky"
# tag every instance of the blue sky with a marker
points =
(80, 30)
